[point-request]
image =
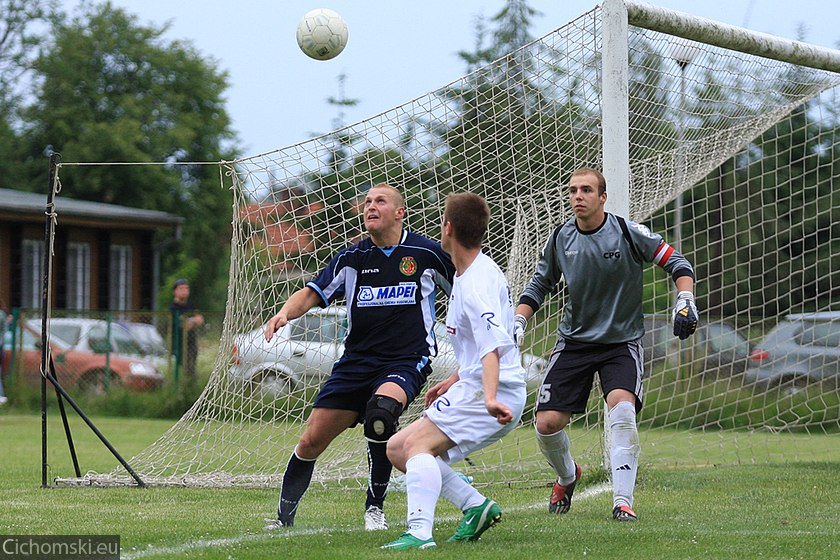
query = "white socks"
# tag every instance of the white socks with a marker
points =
(624, 452)
(456, 490)
(426, 479)
(423, 486)
(555, 448)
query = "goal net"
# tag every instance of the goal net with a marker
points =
(733, 158)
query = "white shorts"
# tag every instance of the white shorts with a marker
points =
(461, 415)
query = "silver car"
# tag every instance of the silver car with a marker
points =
(302, 353)
(717, 349)
(800, 349)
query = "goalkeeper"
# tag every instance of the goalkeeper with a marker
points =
(389, 281)
(600, 257)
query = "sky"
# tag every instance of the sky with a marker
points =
(398, 50)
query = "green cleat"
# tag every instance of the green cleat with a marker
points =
(477, 520)
(408, 542)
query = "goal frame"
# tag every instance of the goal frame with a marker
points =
(616, 19)
(616, 16)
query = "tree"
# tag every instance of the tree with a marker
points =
(508, 109)
(23, 31)
(112, 90)
(510, 33)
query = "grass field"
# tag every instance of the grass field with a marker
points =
(759, 511)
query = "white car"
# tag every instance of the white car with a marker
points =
(303, 353)
(151, 342)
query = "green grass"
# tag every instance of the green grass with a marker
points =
(768, 511)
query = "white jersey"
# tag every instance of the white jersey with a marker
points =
(480, 320)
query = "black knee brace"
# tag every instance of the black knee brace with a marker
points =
(382, 418)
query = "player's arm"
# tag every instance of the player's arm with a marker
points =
(685, 284)
(298, 303)
(490, 381)
(685, 311)
(524, 311)
(669, 259)
(543, 282)
(440, 388)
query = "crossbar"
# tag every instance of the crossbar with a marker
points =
(702, 30)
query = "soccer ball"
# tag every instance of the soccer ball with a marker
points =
(322, 34)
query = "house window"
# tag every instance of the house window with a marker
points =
(32, 273)
(120, 281)
(78, 276)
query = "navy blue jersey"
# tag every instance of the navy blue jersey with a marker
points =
(390, 294)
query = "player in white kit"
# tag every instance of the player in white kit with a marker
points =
(476, 405)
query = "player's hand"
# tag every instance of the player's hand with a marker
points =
(274, 324)
(685, 315)
(499, 410)
(519, 322)
(440, 389)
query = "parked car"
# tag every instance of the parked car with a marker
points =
(150, 341)
(303, 352)
(89, 371)
(800, 349)
(100, 337)
(716, 349)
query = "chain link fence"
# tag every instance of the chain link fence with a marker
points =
(98, 352)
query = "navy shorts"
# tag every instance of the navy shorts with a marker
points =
(571, 372)
(355, 379)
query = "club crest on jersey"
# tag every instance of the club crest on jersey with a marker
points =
(408, 266)
(374, 296)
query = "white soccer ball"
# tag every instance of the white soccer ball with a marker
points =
(322, 34)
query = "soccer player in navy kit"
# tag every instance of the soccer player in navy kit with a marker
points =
(600, 256)
(478, 404)
(389, 281)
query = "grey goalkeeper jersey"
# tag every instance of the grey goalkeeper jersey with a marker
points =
(603, 277)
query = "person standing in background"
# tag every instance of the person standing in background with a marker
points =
(5, 318)
(186, 322)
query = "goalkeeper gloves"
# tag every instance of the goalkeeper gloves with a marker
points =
(519, 329)
(685, 315)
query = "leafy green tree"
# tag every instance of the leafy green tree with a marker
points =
(507, 111)
(510, 31)
(760, 228)
(23, 32)
(113, 90)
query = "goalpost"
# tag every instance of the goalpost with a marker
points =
(723, 140)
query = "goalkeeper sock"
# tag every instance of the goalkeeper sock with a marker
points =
(379, 473)
(296, 480)
(624, 452)
(555, 448)
(456, 490)
(422, 485)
